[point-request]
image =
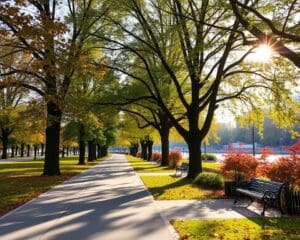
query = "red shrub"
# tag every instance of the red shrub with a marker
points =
(294, 149)
(285, 169)
(175, 158)
(156, 156)
(263, 168)
(238, 166)
(265, 152)
(139, 154)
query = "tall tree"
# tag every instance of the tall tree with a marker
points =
(55, 53)
(11, 115)
(211, 49)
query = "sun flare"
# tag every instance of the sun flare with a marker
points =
(262, 53)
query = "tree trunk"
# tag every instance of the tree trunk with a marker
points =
(22, 149)
(63, 152)
(42, 149)
(17, 150)
(35, 148)
(195, 164)
(81, 160)
(28, 150)
(144, 154)
(104, 151)
(81, 152)
(164, 138)
(67, 151)
(134, 149)
(4, 138)
(51, 165)
(94, 149)
(90, 151)
(12, 151)
(98, 151)
(149, 148)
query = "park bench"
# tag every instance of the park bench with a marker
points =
(266, 191)
(184, 167)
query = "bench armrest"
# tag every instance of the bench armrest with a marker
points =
(269, 195)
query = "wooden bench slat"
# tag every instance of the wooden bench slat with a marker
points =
(262, 190)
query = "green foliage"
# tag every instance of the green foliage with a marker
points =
(209, 180)
(208, 157)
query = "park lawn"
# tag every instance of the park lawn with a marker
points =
(239, 229)
(208, 166)
(22, 181)
(211, 166)
(141, 166)
(170, 188)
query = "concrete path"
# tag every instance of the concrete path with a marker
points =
(212, 209)
(105, 202)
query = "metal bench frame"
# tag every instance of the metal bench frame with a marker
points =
(266, 191)
(184, 167)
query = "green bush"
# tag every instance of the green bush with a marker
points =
(208, 157)
(209, 180)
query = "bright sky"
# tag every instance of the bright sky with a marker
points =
(261, 54)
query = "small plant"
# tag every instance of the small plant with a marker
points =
(175, 158)
(156, 156)
(239, 166)
(208, 157)
(139, 154)
(209, 180)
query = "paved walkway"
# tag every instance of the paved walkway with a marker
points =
(212, 209)
(105, 202)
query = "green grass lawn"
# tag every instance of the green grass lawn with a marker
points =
(211, 167)
(22, 181)
(142, 166)
(170, 188)
(239, 229)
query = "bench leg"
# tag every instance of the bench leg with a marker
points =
(264, 209)
(235, 199)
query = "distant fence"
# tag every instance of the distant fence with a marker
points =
(118, 150)
(290, 203)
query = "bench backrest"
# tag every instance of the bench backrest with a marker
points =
(184, 166)
(260, 185)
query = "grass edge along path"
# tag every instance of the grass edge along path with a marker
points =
(170, 188)
(21, 182)
(142, 166)
(239, 229)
